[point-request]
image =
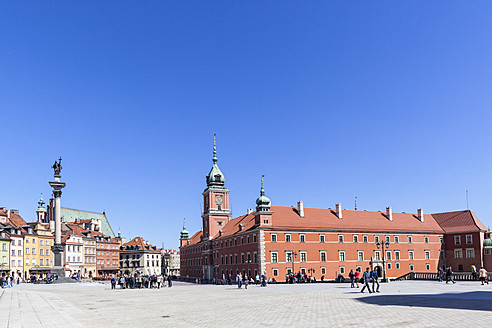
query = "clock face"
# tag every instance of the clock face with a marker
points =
(218, 199)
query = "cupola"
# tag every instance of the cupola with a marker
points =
(263, 203)
(215, 176)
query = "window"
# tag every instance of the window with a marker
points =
(27, 251)
(303, 256)
(440, 239)
(12, 263)
(388, 255)
(321, 238)
(323, 270)
(377, 255)
(28, 262)
(287, 238)
(41, 262)
(322, 256)
(442, 254)
(19, 242)
(470, 253)
(342, 270)
(387, 239)
(457, 240)
(356, 238)
(27, 240)
(409, 239)
(13, 252)
(397, 255)
(41, 252)
(275, 272)
(427, 266)
(340, 238)
(458, 254)
(341, 256)
(19, 262)
(274, 257)
(397, 265)
(364, 238)
(302, 238)
(397, 239)
(41, 242)
(486, 251)
(389, 266)
(411, 267)
(410, 255)
(360, 255)
(19, 252)
(427, 255)
(34, 240)
(469, 239)
(426, 239)
(288, 256)
(303, 271)
(376, 239)
(33, 261)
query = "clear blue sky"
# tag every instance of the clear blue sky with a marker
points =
(387, 101)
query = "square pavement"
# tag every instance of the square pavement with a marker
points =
(400, 304)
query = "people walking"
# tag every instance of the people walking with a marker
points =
(352, 278)
(246, 281)
(367, 278)
(169, 281)
(375, 276)
(449, 275)
(483, 276)
(357, 277)
(439, 274)
(113, 283)
(239, 281)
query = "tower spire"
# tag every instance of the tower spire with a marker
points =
(215, 151)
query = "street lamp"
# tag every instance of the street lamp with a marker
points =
(248, 261)
(295, 256)
(383, 246)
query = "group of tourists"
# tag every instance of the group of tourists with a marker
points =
(295, 278)
(368, 277)
(137, 281)
(244, 280)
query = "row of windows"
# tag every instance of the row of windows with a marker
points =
(470, 253)
(107, 254)
(234, 259)
(41, 262)
(107, 246)
(32, 251)
(108, 262)
(355, 238)
(389, 255)
(224, 243)
(457, 239)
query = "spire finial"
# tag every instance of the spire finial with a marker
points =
(184, 223)
(262, 191)
(356, 203)
(215, 151)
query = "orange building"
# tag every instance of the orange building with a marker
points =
(277, 240)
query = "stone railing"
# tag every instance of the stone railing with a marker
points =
(461, 276)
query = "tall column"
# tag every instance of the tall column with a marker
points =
(57, 186)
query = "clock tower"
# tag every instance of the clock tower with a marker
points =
(216, 212)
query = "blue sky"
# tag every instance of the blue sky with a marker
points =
(386, 101)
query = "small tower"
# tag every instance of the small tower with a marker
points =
(216, 212)
(263, 215)
(41, 211)
(184, 235)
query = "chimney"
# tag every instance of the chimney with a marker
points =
(250, 210)
(240, 227)
(300, 208)
(420, 214)
(339, 210)
(389, 213)
(8, 214)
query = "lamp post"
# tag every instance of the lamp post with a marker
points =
(247, 271)
(294, 256)
(383, 246)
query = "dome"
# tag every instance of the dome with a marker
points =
(263, 200)
(487, 242)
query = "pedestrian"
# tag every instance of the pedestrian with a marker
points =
(439, 274)
(113, 283)
(357, 277)
(246, 281)
(257, 280)
(169, 281)
(449, 275)
(375, 276)
(483, 275)
(352, 277)
(367, 277)
(159, 282)
(474, 272)
(239, 280)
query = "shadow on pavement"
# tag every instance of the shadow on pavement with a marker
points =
(478, 300)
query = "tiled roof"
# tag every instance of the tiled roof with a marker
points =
(459, 221)
(70, 215)
(16, 220)
(287, 218)
(139, 241)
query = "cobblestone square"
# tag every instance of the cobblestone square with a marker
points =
(400, 304)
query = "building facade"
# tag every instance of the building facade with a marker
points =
(170, 262)
(323, 243)
(139, 256)
(107, 255)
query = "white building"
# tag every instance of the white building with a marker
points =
(139, 256)
(170, 262)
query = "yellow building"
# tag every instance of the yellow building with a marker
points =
(38, 259)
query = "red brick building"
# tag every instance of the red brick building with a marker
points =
(463, 244)
(320, 242)
(107, 255)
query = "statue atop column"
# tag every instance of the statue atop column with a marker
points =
(57, 167)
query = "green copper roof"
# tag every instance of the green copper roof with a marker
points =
(70, 215)
(215, 176)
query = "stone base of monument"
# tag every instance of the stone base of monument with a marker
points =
(60, 272)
